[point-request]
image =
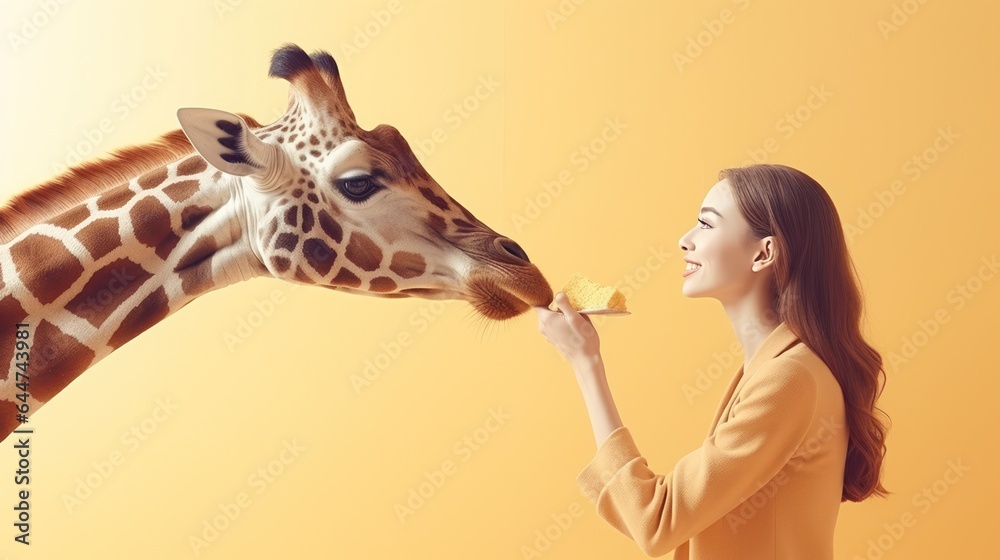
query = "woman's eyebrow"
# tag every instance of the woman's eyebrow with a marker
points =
(710, 209)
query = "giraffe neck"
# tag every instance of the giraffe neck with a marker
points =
(96, 276)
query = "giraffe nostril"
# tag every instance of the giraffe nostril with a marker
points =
(514, 249)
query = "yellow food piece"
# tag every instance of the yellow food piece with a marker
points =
(584, 294)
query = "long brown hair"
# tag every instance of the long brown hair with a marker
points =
(818, 295)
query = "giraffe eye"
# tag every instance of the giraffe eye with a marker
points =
(357, 189)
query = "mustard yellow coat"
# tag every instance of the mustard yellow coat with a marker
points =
(765, 484)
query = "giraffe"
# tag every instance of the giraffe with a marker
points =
(102, 252)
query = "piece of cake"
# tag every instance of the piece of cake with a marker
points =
(584, 294)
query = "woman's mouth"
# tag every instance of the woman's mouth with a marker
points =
(690, 269)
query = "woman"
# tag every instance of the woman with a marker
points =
(796, 433)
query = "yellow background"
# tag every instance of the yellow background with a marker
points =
(889, 94)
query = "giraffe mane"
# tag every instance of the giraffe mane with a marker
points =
(90, 178)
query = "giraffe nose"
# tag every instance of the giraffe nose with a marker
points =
(513, 248)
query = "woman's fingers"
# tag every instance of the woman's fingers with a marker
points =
(562, 302)
(572, 315)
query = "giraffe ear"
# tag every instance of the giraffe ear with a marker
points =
(225, 140)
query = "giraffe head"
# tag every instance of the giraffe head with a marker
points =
(331, 204)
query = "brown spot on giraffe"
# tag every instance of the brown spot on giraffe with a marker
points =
(408, 265)
(362, 251)
(12, 313)
(437, 222)
(382, 284)
(100, 237)
(292, 216)
(202, 249)
(435, 199)
(271, 228)
(153, 178)
(46, 266)
(150, 311)
(63, 358)
(280, 263)
(347, 278)
(181, 190)
(330, 227)
(195, 267)
(287, 241)
(193, 215)
(319, 255)
(71, 218)
(151, 222)
(307, 218)
(115, 198)
(108, 288)
(192, 165)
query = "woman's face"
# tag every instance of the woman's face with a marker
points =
(722, 244)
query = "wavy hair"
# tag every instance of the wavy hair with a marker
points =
(817, 293)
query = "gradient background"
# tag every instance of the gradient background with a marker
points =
(889, 93)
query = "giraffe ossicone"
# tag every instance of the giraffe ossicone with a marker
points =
(99, 254)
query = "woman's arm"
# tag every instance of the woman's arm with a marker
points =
(604, 417)
(576, 339)
(660, 512)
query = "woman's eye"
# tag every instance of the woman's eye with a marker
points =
(703, 222)
(357, 188)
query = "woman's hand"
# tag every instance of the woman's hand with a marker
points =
(573, 334)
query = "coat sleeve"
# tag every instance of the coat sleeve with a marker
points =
(661, 512)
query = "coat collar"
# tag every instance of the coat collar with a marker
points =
(781, 338)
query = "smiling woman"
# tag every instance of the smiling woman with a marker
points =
(796, 433)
